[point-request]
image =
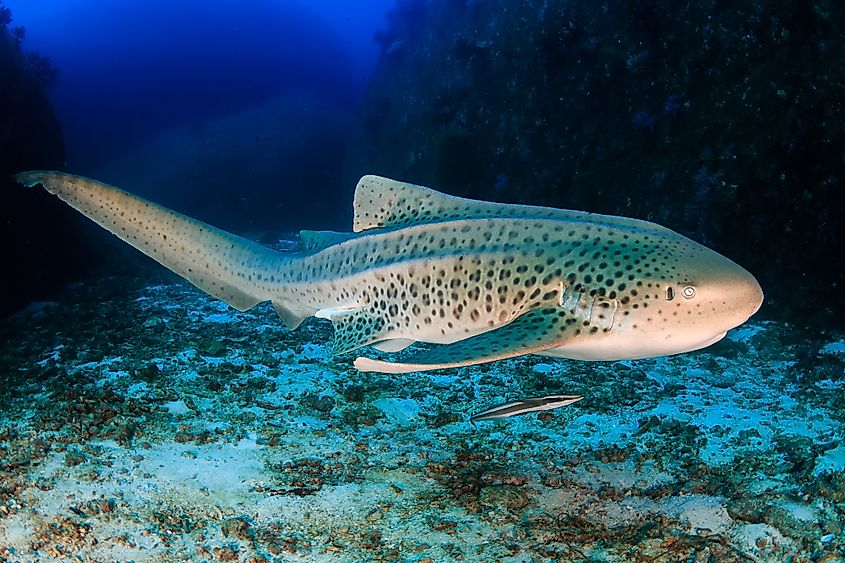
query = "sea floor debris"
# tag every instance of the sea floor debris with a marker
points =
(141, 419)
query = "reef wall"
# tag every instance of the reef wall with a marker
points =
(722, 120)
(41, 246)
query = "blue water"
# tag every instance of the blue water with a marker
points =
(132, 68)
(141, 418)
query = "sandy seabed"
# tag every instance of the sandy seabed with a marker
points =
(146, 421)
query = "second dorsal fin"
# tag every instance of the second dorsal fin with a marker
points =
(318, 240)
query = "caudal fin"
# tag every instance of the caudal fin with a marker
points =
(236, 270)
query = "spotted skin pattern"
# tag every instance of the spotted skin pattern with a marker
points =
(480, 281)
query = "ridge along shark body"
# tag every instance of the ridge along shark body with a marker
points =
(479, 281)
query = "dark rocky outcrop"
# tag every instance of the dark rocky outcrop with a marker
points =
(41, 245)
(722, 120)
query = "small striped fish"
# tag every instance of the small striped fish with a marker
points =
(523, 406)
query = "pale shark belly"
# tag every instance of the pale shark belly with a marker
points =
(626, 345)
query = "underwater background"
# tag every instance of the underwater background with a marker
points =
(143, 420)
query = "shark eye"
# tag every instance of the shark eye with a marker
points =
(689, 292)
(670, 293)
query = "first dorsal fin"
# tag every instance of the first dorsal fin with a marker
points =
(384, 203)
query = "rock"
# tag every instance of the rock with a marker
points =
(792, 519)
(74, 458)
(354, 393)
(401, 411)
(213, 348)
(511, 115)
(154, 323)
(506, 496)
(748, 509)
(227, 553)
(443, 418)
(647, 423)
(361, 415)
(728, 348)
(40, 234)
(321, 403)
(236, 527)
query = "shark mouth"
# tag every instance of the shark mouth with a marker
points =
(710, 341)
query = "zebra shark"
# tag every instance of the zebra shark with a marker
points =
(476, 281)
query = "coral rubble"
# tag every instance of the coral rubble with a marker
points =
(142, 419)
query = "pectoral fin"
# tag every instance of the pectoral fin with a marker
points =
(529, 333)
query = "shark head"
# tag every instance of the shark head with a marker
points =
(686, 297)
(707, 296)
(697, 299)
(724, 294)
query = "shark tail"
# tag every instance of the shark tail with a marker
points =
(238, 271)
